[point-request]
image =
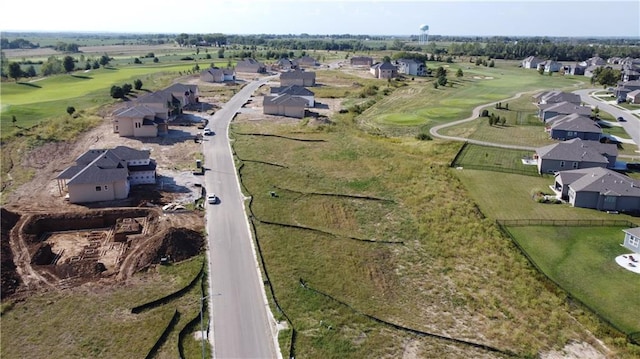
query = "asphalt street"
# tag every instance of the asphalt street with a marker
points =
(241, 321)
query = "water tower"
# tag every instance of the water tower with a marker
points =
(424, 34)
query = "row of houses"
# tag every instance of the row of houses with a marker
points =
(148, 115)
(629, 67)
(292, 98)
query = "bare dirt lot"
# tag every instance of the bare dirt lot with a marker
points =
(50, 243)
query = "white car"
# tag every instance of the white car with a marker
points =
(207, 131)
(212, 198)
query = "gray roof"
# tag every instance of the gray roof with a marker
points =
(558, 96)
(298, 74)
(285, 99)
(294, 90)
(565, 108)
(182, 88)
(574, 122)
(578, 150)
(136, 111)
(633, 231)
(102, 165)
(385, 66)
(604, 181)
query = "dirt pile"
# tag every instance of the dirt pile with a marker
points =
(177, 244)
(9, 276)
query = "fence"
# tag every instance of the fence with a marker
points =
(633, 338)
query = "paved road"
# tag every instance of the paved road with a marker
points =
(474, 115)
(242, 324)
(631, 126)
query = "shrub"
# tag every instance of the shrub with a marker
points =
(423, 137)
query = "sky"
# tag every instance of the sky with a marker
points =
(572, 18)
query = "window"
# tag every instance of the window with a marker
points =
(98, 188)
(634, 241)
(561, 164)
(575, 165)
(105, 187)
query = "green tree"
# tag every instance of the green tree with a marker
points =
(386, 59)
(221, 53)
(541, 70)
(459, 73)
(117, 92)
(126, 88)
(137, 61)
(137, 84)
(14, 120)
(31, 71)
(68, 64)
(95, 65)
(70, 110)
(156, 60)
(104, 60)
(442, 80)
(492, 64)
(15, 72)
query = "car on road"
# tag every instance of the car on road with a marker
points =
(212, 198)
(207, 131)
(621, 119)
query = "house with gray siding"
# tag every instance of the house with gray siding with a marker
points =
(214, 74)
(599, 188)
(410, 67)
(106, 174)
(566, 127)
(575, 154)
(632, 239)
(549, 110)
(549, 66)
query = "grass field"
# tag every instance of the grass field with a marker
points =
(582, 261)
(92, 322)
(494, 158)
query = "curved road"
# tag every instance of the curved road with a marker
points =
(243, 326)
(631, 126)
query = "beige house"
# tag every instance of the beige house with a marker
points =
(148, 115)
(306, 61)
(298, 77)
(215, 74)
(634, 96)
(296, 91)
(106, 174)
(250, 66)
(384, 70)
(284, 105)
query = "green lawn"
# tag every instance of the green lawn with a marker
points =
(582, 261)
(494, 158)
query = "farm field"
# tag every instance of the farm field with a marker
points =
(377, 226)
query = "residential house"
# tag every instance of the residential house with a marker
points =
(549, 66)
(575, 154)
(214, 74)
(284, 64)
(410, 67)
(136, 121)
(548, 110)
(634, 96)
(284, 105)
(250, 66)
(531, 62)
(632, 239)
(296, 91)
(306, 61)
(594, 61)
(576, 69)
(630, 71)
(384, 70)
(187, 94)
(298, 77)
(361, 61)
(106, 174)
(599, 188)
(623, 88)
(566, 127)
(556, 97)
